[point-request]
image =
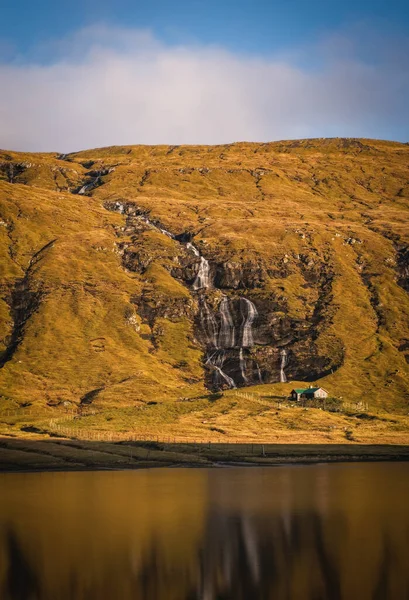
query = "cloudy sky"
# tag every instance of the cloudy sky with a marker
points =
(85, 73)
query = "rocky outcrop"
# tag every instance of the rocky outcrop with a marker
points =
(257, 357)
(403, 266)
(93, 180)
(247, 336)
(23, 300)
(10, 171)
(238, 275)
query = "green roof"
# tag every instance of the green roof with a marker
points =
(304, 390)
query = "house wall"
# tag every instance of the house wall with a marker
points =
(309, 396)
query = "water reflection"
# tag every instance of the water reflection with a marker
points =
(306, 533)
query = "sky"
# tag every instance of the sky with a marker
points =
(85, 74)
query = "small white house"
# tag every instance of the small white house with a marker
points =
(308, 393)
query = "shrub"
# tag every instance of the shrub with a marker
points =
(349, 434)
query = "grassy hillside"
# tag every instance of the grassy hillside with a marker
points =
(97, 305)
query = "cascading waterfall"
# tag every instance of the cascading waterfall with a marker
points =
(227, 328)
(166, 232)
(242, 366)
(193, 248)
(260, 377)
(221, 333)
(283, 354)
(218, 337)
(89, 186)
(203, 275)
(95, 180)
(209, 324)
(202, 279)
(248, 316)
(230, 336)
(216, 359)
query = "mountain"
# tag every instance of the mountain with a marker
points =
(155, 273)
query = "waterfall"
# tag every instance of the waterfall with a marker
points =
(95, 179)
(203, 276)
(242, 366)
(227, 329)
(165, 232)
(216, 360)
(220, 331)
(225, 334)
(209, 324)
(260, 377)
(193, 248)
(202, 279)
(89, 186)
(248, 316)
(283, 354)
(219, 336)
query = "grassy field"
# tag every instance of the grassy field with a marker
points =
(221, 420)
(235, 427)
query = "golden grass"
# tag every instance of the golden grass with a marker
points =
(244, 202)
(232, 417)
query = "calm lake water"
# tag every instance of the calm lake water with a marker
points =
(304, 532)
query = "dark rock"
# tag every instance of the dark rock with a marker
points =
(237, 275)
(403, 267)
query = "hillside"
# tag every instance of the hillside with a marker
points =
(155, 273)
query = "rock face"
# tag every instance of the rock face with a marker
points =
(242, 345)
(162, 272)
(403, 267)
(238, 276)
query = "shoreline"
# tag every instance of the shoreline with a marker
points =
(20, 455)
(231, 465)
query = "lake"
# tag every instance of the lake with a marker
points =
(333, 532)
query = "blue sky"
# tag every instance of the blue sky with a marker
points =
(257, 26)
(88, 73)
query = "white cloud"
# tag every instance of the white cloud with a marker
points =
(108, 86)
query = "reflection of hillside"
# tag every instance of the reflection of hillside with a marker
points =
(300, 533)
(90, 535)
(306, 533)
(20, 582)
(249, 558)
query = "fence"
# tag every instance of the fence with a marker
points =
(89, 435)
(59, 425)
(332, 404)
